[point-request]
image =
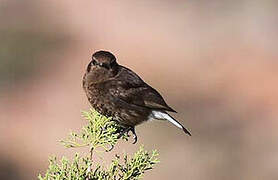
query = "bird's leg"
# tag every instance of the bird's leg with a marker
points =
(119, 129)
(112, 120)
(126, 130)
(122, 132)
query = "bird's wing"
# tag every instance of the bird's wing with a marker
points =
(130, 88)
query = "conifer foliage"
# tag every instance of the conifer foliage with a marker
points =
(100, 135)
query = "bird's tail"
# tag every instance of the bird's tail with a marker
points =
(166, 116)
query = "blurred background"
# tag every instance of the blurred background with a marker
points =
(215, 62)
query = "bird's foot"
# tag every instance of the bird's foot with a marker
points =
(126, 130)
(123, 131)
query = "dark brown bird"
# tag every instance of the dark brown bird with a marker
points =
(116, 91)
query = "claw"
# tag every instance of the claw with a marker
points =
(135, 139)
(134, 135)
(112, 147)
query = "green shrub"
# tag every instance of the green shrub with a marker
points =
(100, 135)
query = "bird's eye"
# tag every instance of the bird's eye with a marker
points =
(105, 65)
(113, 63)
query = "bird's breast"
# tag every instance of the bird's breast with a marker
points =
(100, 99)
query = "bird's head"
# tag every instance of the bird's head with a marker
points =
(102, 67)
(102, 60)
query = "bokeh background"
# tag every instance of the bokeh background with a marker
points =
(215, 62)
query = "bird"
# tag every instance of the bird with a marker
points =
(116, 91)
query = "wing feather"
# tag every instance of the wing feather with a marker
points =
(130, 88)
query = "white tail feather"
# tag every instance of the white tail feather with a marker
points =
(164, 116)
